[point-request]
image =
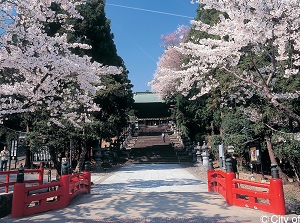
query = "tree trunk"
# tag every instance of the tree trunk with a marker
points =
(296, 172)
(56, 163)
(212, 128)
(273, 159)
(27, 158)
(28, 152)
(81, 158)
(295, 165)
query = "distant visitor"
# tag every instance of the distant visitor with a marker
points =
(4, 154)
(163, 136)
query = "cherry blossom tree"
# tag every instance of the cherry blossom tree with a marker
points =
(265, 33)
(37, 67)
(165, 81)
(174, 39)
(250, 53)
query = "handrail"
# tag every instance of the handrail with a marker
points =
(251, 183)
(9, 183)
(40, 198)
(269, 200)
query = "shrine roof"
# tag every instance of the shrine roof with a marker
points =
(146, 97)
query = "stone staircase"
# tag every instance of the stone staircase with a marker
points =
(149, 147)
(181, 153)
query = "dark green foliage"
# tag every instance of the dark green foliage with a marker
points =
(193, 117)
(209, 16)
(95, 30)
(8, 132)
(237, 130)
(117, 98)
(288, 151)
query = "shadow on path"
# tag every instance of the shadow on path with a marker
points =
(148, 193)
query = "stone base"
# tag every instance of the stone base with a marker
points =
(5, 204)
(198, 164)
(98, 167)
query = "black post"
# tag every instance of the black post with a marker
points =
(228, 164)
(20, 174)
(262, 170)
(65, 168)
(210, 164)
(49, 175)
(274, 170)
(87, 166)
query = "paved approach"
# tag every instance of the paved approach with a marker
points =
(148, 193)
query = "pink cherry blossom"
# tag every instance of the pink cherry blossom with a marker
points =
(42, 65)
(247, 28)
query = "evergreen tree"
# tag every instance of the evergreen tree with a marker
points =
(116, 98)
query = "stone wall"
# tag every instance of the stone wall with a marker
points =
(5, 204)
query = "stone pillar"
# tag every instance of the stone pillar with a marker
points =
(221, 156)
(205, 154)
(194, 151)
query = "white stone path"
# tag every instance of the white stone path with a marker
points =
(146, 193)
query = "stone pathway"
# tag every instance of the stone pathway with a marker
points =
(148, 193)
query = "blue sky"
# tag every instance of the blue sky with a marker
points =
(137, 26)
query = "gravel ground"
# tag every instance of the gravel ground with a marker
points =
(292, 205)
(199, 171)
(291, 191)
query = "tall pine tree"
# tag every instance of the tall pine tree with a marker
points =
(117, 98)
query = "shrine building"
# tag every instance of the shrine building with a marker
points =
(150, 110)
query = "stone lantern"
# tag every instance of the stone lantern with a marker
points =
(198, 153)
(97, 155)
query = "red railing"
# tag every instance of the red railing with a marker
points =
(49, 196)
(8, 183)
(268, 197)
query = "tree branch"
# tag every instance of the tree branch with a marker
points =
(269, 96)
(243, 79)
(287, 133)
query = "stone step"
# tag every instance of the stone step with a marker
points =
(150, 148)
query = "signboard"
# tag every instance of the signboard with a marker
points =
(254, 154)
(14, 149)
(221, 151)
(42, 155)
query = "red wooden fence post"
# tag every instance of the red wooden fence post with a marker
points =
(65, 187)
(210, 173)
(19, 197)
(276, 192)
(229, 186)
(41, 175)
(228, 181)
(7, 181)
(277, 197)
